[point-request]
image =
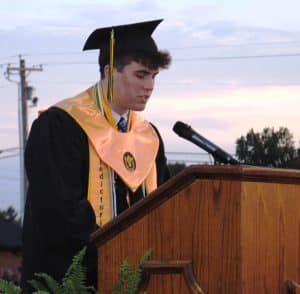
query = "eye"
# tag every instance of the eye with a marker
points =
(140, 75)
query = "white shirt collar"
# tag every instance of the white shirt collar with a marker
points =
(117, 116)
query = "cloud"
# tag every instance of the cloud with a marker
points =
(67, 18)
(198, 29)
(8, 130)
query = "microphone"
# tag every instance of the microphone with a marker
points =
(185, 131)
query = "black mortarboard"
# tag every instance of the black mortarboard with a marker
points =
(128, 38)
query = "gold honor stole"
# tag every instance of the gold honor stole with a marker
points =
(131, 155)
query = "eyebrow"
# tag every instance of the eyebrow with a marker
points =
(144, 71)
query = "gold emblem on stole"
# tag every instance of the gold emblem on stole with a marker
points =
(129, 161)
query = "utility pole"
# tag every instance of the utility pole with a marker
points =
(24, 96)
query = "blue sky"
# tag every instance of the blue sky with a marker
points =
(235, 65)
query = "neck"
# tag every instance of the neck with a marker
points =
(113, 105)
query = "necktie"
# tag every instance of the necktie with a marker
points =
(122, 125)
(122, 192)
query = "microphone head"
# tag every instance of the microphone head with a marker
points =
(180, 128)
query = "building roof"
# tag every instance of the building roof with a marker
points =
(10, 235)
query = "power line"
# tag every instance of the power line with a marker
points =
(55, 54)
(69, 63)
(65, 53)
(65, 82)
(199, 84)
(187, 161)
(185, 153)
(9, 149)
(180, 84)
(234, 45)
(205, 58)
(8, 57)
(240, 57)
(7, 64)
(9, 156)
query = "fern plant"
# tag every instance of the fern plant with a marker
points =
(9, 287)
(72, 283)
(75, 278)
(129, 278)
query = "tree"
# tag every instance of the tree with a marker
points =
(9, 214)
(175, 168)
(268, 148)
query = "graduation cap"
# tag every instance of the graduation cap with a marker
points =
(128, 38)
(121, 40)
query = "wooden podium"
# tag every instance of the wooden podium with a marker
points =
(212, 229)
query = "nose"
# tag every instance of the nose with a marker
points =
(149, 84)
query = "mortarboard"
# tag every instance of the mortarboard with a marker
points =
(128, 38)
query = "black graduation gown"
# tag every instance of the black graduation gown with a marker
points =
(58, 218)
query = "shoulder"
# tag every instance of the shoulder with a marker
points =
(156, 131)
(161, 150)
(55, 117)
(58, 126)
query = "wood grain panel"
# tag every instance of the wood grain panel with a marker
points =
(270, 242)
(240, 227)
(224, 237)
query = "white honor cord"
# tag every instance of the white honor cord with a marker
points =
(144, 189)
(113, 193)
(110, 170)
(99, 97)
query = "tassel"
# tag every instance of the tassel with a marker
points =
(111, 67)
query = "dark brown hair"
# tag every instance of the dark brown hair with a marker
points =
(159, 60)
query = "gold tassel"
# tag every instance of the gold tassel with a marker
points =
(111, 67)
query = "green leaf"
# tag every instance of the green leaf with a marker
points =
(37, 285)
(128, 278)
(7, 287)
(75, 278)
(51, 283)
(76, 262)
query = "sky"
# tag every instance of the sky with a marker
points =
(235, 66)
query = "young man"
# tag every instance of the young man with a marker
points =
(90, 157)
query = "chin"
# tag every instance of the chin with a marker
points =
(139, 108)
